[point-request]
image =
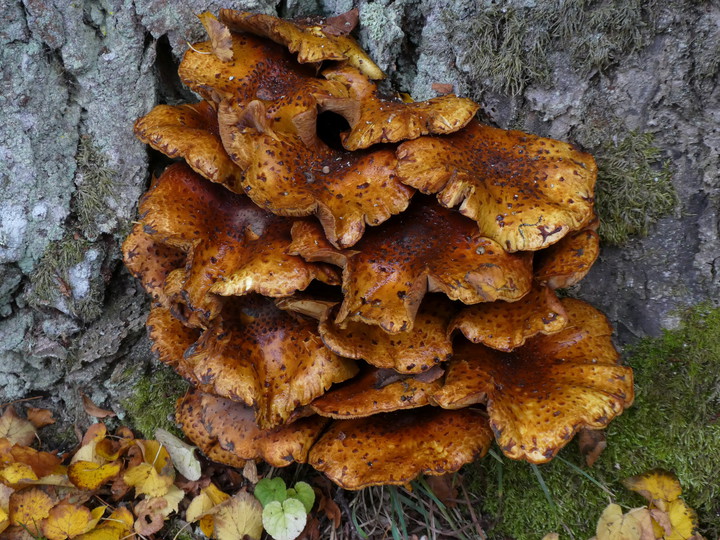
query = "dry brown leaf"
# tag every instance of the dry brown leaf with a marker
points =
(442, 487)
(592, 442)
(220, 38)
(15, 429)
(343, 24)
(40, 417)
(94, 410)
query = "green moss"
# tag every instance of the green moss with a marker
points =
(506, 45)
(152, 403)
(634, 188)
(50, 277)
(673, 424)
(95, 185)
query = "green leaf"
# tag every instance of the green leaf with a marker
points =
(268, 490)
(303, 493)
(286, 520)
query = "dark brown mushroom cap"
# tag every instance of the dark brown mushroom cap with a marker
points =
(525, 192)
(375, 391)
(285, 176)
(257, 67)
(539, 395)
(376, 120)
(427, 247)
(170, 340)
(417, 350)
(258, 354)
(151, 262)
(231, 427)
(306, 38)
(190, 132)
(188, 413)
(394, 448)
(566, 263)
(233, 247)
(506, 325)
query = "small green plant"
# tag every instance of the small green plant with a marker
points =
(285, 509)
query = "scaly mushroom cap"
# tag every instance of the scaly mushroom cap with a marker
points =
(258, 354)
(189, 414)
(539, 395)
(170, 340)
(344, 190)
(307, 38)
(395, 448)
(428, 247)
(232, 427)
(525, 192)
(375, 391)
(190, 132)
(151, 262)
(375, 120)
(506, 325)
(233, 247)
(414, 351)
(257, 67)
(564, 264)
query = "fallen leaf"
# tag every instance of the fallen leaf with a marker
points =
(239, 516)
(117, 526)
(442, 487)
(40, 417)
(181, 453)
(613, 525)
(150, 516)
(442, 88)
(683, 520)
(551, 536)
(592, 442)
(284, 520)
(644, 521)
(250, 471)
(42, 463)
(17, 473)
(15, 429)
(94, 410)
(343, 24)
(90, 440)
(658, 486)
(147, 481)
(331, 510)
(220, 37)
(67, 521)
(90, 476)
(29, 507)
(200, 506)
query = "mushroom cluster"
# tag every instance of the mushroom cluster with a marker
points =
(328, 313)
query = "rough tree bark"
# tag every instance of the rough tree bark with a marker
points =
(75, 75)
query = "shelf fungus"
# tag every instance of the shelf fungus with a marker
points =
(327, 313)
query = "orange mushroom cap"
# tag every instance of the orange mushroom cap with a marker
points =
(428, 247)
(375, 391)
(232, 247)
(151, 262)
(258, 354)
(566, 263)
(539, 395)
(170, 340)
(190, 132)
(525, 192)
(307, 37)
(376, 120)
(231, 426)
(345, 190)
(506, 325)
(395, 448)
(257, 67)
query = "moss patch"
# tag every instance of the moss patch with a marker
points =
(504, 45)
(634, 189)
(152, 403)
(674, 424)
(50, 277)
(95, 184)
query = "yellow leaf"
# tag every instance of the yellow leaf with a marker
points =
(29, 507)
(111, 450)
(239, 516)
(156, 454)
(613, 525)
(199, 507)
(15, 429)
(93, 436)
(42, 463)
(16, 473)
(90, 476)
(4, 520)
(117, 526)
(147, 480)
(683, 520)
(658, 486)
(67, 521)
